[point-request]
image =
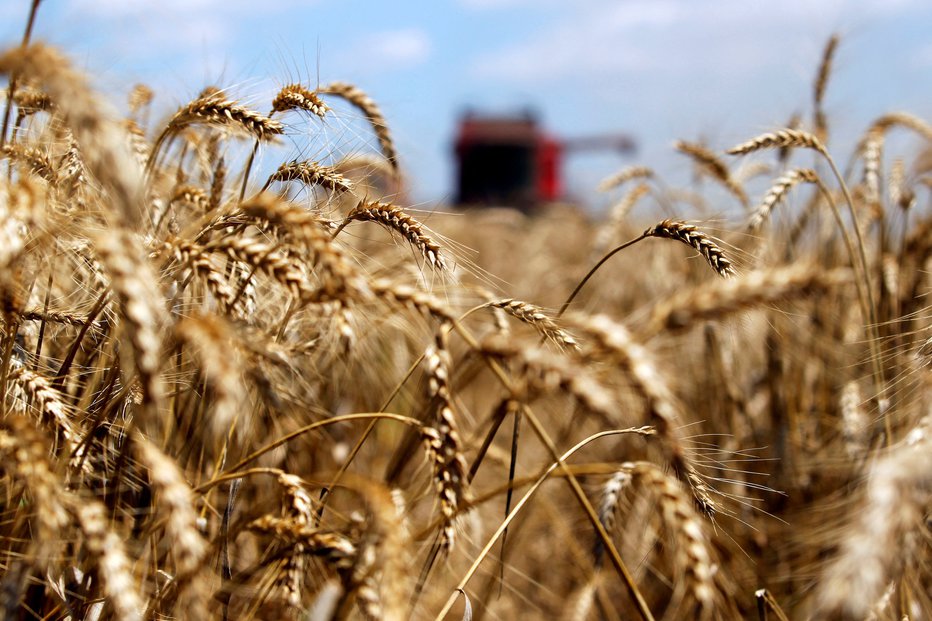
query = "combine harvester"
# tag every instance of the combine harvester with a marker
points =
(511, 161)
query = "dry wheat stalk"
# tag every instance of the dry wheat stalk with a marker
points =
(213, 341)
(751, 170)
(136, 285)
(690, 235)
(192, 195)
(898, 189)
(899, 489)
(340, 279)
(616, 341)
(783, 138)
(138, 142)
(411, 297)
(55, 316)
(71, 168)
(625, 175)
(365, 167)
(902, 119)
(30, 101)
(713, 165)
(777, 193)
(113, 566)
(819, 86)
(20, 210)
(373, 113)
(217, 181)
(47, 399)
(298, 507)
(36, 161)
(192, 256)
(718, 300)
(693, 555)
(311, 173)
(177, 504)
(100, 136)
(872, 154)
(265, 258)
(621, 209)
(395, 219)
(24, 458)
(537, 318)
(854, 421)
(612, 490)
(617, 214)
(335, 548)
(213, 108)
(297, 97)
(542, 372)
(139, 97)
(442, 438)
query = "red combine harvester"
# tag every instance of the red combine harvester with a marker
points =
(510, 160)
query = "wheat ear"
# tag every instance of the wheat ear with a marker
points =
(691, 236)
(102, 139)
(899, 488)
(310, 173)
(536, 317)
(616, 341)
(177, 503)
(395, 219)
(692, 555)
(717, 169)
(784, 138)
(718, 300)
(777, 193)
(442, 438)
(213, 108)
(136, 285)
(113, 565)
(297, 97)
(624, 175)
(373, 113)
(819, 86)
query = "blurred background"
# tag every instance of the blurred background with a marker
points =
(588, 75)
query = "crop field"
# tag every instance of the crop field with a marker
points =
(239, 382)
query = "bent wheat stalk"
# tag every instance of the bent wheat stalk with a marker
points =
(669, 229)
(798, 138)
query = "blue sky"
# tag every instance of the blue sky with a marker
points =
(660, 70)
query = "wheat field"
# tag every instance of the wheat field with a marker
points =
(240, 383)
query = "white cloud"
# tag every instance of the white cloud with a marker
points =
(922, 58)
(391, 50)
(400, 47)
(605, 37)
(137, 27)
(494, 5)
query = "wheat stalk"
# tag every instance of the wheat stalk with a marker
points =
(395, 219)
(624, 175)
(691, 236)
(537, 318)
(717, 169)
(819, 86)
(777, 193)
(297, 97)
(373, 113)
(784, 138)
(898, 491)
(718, 300)
(442, 439)
(310, 173)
